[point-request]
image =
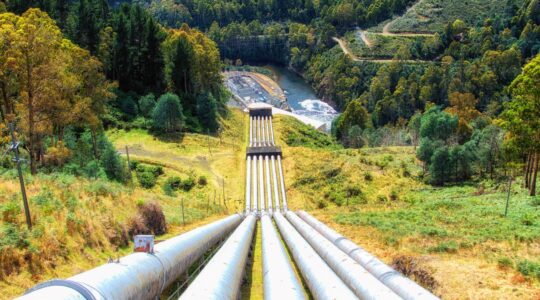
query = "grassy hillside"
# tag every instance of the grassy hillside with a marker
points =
(79, 223)
(457, 235)
(384, 47)
(432, 15)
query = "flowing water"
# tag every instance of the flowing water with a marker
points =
(301, 97)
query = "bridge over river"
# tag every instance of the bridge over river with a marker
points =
(213, 257)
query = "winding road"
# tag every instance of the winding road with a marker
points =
(345, 48)
(363, 34)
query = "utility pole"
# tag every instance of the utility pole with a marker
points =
(15, 148)
(223, 185)
(207, 204)
(128, 162)
(183, 216)
(508, 196)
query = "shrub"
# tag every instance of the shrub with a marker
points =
(9, 211)
(368, 176)
(331, 173)
(137, 226)
(11, 235)
(156, 170)
(188, 184)
(352, 191)
(153, 217)
(142, 123)
(394, 195)
(112, 164)
(173, 182)
(448, 247)
(117, 233)
(535, 201)
(47, 201)
(147, 179)
(92, 169)
(529, 268)
(409, 267)
(304, 180)
(433, 231)
(321, 204)
(528, 219)
(382, 198)
(202, 180)
(147, 104)
(405, 172)
(505, 263)
(100, 188)
(168, 190)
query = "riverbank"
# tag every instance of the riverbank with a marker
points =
(284, 89)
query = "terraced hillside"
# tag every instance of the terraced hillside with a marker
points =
(432, 15)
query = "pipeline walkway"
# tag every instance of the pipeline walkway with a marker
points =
(331, 266)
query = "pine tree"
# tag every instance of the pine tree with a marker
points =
(168, 116)
(207, 112)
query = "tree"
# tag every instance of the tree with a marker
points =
(463, 105)
(440, 165)
(354, 114)
(168, 116)
(521, 119)
(437, 149)
(207, 112)
(36, 50)
(414, 127)
(355, 137)
(488, 143)
(147, 104)
(437, 125)
(112, 163)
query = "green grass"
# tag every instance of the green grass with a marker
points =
(296, 134)
(454, 215)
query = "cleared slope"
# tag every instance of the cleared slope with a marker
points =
(456, 235)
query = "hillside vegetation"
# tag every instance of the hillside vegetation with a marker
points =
(80, 222)
(431, 15)
(457, 234)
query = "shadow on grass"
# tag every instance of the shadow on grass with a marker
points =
(172, 137)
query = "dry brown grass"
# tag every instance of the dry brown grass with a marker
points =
(81, 223)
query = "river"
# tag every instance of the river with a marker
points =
(301, 97)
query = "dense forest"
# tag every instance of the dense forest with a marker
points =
(71, 69)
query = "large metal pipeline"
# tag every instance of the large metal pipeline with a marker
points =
(254, 126)
(263, 123)
(400, 284)
(282, 179)
(276, 187)
(268, 185)
(266, 124)
(321, 280)
(261, 182)
(222, 276)
(250, 131)
(259, 128)
(254, 182)
(138, 275)
(361, 282)
(248, 184)
(272, 131)
(279, 280)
